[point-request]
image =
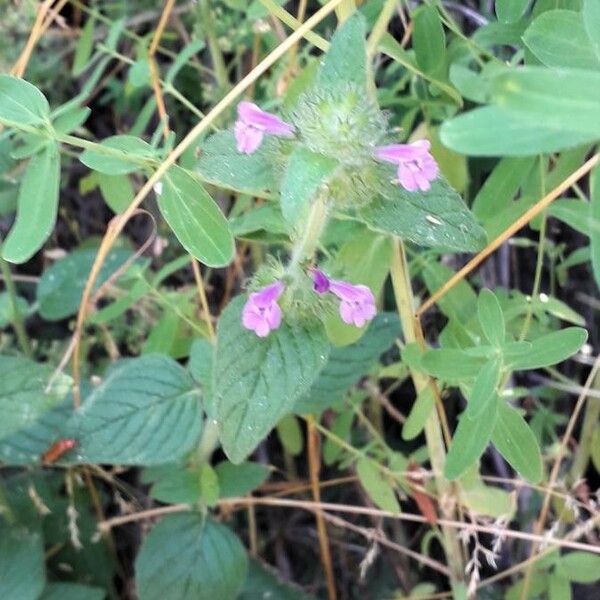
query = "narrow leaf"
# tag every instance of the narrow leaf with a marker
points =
(595, 217)
(491, 318)
(376, 485)
(126, 154)
(484, 390)
(21, 102)
(429, 41)
(591, 19)
(509, 11)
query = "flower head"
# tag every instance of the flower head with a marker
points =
(251, 125)
(416, 167)
(261, 313)
(357, 304)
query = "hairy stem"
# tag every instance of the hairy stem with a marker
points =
(315, 223)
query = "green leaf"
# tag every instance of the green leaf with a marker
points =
(483, 391)
(438, 217)
(341, 427)
(470, 440)
(510, 11)
(491, 318)
(209, 485)
(305, 174)
(263, 583)
(71, 119)
(25, 394)
(450, 364)
(485, 499)
(83, 49)
(494, 131)
(563, 99)
(37, 206)
(376, 485)
(240, 480)
(581, 567)
(576, 214)
(429, 41)
(517, 443)
(419, 413)
(177, 485)
(348, 364)
(196, 220)
(146, 411)
(595, 217)
(222, 165)
(22, 571)
(256, 381)
(117, 191)
(559, 588)
(72, 591)
(550, 349)
(591, 19)
(290, 435)
(135, 155)
(346, 60)
(21, 102)
(61, 286)
(558, 39)
(190, 557)
(7, 313)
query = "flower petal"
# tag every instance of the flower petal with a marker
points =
(250, 114)
(247, 138)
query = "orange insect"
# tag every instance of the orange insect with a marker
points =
(57, 450)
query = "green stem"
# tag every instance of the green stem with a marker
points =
(315, 223)
(208, 26)
(588, 428)
(17, 318)
(208, 441)
(400, 274)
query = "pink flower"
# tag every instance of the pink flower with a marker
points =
(357, 304)
(253, 123)
(416, 167)
(261, 312)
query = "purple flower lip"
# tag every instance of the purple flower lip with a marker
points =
(416, 167)
(253, 123)
(357, 304)
(261, 313)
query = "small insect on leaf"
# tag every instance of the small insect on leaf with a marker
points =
(57, 450)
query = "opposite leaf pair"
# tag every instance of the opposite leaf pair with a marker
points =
(262, 313)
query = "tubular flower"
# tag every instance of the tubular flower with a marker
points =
(261, 313)
(252, 124)
(357, 304)
(416, 167)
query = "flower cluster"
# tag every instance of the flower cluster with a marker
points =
(262, 313)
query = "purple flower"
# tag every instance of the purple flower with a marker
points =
(261, 312)
(253, 123)
(416, 167)
(357, 304)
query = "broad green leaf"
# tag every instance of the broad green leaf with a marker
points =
(261, 223)
(595, 217)
(429, 41)
(190, 557)
(263, 583)
(450, 364)
(558, 39)
(470, 440)
(581, 567)
(71, 119)
(196, 220)
(256, 381)
(515, 440)
(485, 499)
(591, 19)
(117, 191)
(83, 49)
(306, 173)
(563, 99)
(438, 217)
(491, 318)
(290, 435)
(61, 286)
(346, 60)
(72, 591)
(559, 588)
(222, 165)
(177, 485)
(509, 11)
(37, 206)
(125, 154)
(22, 571)
(550, 349)
(419, 413)
(576, 214)
(376, 485)
(348, 364)
(7, 313)
(484, 389)
(26, 394)
(240, 480)
(146, 411)
(21, 102)
(495, 131)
